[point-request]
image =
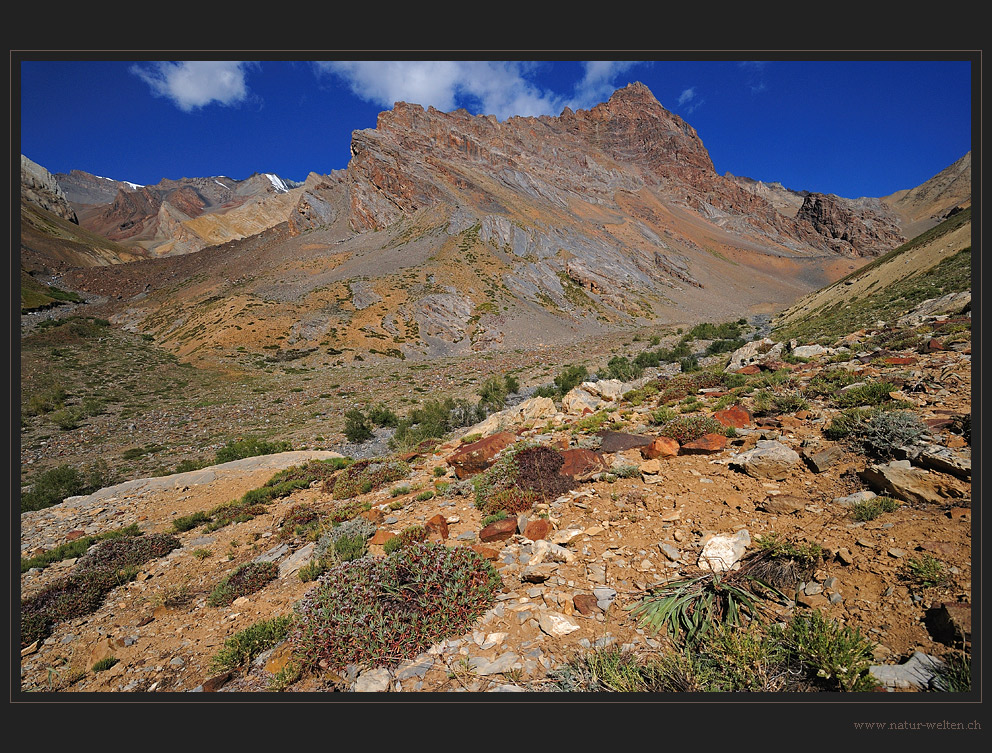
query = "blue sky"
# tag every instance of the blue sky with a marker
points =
(848, 127)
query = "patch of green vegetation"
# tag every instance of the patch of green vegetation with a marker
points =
(76, 548)
(244, 646)
(248, 447)
(873, 508)
(951, 275)
(54, 485)
(244, 580)
(110, 563)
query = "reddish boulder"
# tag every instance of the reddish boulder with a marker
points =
(476, 457)
(586, 604)
(381, 537)
(749, 369)
(661, 447)
(437, 527)
(536, 529)
(736, 415)
(581, 463)
(486, 552)
(501, 530)
(705, 444)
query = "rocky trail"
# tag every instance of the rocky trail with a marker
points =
(640, 509)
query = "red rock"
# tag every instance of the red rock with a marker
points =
(538, 528)
(381, 537)
(501, 530)
(661, 447)
(706, 443)
(214, 683)
(437, 527)
(373, 516)
(73, 535)
(899, 360)
(749, 369)
(736, 415)
(581, 463)
(476, 457)
(486, 552)
(586, 604)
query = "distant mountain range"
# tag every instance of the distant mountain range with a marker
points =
(452, 233)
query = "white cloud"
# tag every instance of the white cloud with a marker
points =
(754, 70)
(193, 84)
(500, 88)
(689, 100)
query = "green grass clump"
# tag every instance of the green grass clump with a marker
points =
(835, 656)
(379, 612)
(246, 579)
(76, 548)
(687, 610)
(872, 508)
(105, 664)
(104, 567)
(868, 394)
(244, 646)
(926, 572)
(189, 522)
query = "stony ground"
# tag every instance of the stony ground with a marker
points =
(611, 538)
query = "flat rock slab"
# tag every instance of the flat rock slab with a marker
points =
(618, 441)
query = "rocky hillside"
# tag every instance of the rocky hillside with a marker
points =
(926, 205)
(840, 474)
(451, 234)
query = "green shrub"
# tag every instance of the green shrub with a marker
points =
(241, 648)
(684, 429)
(54, 485)
(356, 426)
(405, 538)
(249, 447)
(365, 476)
(246, 579)
(512, 384)
(882, 433)
(569, 378)
(493, 394)
(378, 612)
(76, 548)
(188, 522)
(621, 368)
(46, 401)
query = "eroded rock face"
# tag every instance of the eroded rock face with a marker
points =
(862, 227)
(40, 187)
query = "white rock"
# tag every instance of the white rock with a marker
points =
(722, 553)
(556, 624)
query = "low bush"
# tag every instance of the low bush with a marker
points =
(54, 485)
(245, 580)
(249, 447)
(101, 569)
(684, 429)
(378, 612)
(872, 508)
(76, 548)
(365, 476)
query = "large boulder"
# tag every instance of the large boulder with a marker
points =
(475, 457)
(768, 459)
